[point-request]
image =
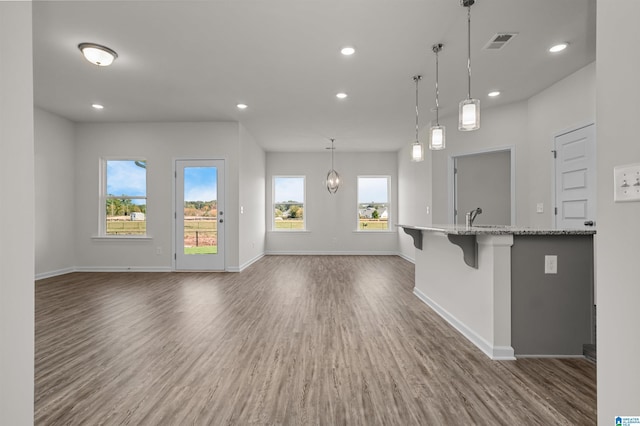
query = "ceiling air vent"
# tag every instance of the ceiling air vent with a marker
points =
(499, 40)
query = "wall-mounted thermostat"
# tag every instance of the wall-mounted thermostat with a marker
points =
(626, 180)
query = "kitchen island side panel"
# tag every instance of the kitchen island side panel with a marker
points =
(551, 314)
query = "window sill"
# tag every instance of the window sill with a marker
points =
(121, 238)
(293, 231)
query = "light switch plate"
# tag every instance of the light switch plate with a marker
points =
(626, 180)
(551, 264)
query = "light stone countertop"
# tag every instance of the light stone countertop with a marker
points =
(497, 230)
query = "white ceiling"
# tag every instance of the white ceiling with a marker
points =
(195, 60)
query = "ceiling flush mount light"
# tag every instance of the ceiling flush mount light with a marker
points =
(242, 106)
(469, 114)
(493, 94)
(333, 178)
(417, 148)
(558, 47)
(436, 133)
(348, 51)
(341, 95)
(97, 54)
(97, 106)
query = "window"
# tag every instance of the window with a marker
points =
(288, 203)
(373, 203)
(124, 197)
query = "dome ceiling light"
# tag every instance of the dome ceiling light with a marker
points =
(97, 54)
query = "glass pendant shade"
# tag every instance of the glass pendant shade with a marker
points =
(333, 181)
(417, 151)
(469, 116)
(436, 138)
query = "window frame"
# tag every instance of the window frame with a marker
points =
(389, 198)
(103, 197)
(273, 203)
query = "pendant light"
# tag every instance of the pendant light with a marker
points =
(469, 114)
(437, 132)
(333, 178)
(417, 148)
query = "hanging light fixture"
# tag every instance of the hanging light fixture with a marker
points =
(469, 115)
(333, 178)
(417, 148)
(436, 133)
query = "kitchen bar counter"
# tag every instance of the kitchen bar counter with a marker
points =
(501, 297)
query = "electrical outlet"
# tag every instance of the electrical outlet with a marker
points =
(540, 208)
(159, 250)
(551, 264)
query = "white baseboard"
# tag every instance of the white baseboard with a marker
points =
(550, 356)
(124, 269)
(494, 352)
(331, 253)
(246, 264)
(407, 258)
(50, 274)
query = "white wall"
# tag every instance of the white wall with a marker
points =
(332, 218)
(252, 199)
(618, 236)
(414, 196)
(55, 194)
(17, 203)
(530, 127)
(567, 105)
(501, 127)
(160, 144)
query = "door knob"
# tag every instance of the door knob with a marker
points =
(589, 223)
(221, 220)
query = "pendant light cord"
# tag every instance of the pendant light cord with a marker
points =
(469, 48)
(437, 48)
(332, 149)
(417, 79)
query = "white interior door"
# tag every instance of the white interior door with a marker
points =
(575, 178)
(199, 215)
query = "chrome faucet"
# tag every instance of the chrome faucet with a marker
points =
(471, 216)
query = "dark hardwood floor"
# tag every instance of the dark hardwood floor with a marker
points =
(291, 340)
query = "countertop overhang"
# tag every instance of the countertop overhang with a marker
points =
(466, 237)
(496, 230)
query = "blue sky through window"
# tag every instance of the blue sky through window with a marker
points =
(200, 184)
(374, 189)
(124, 177)
(288, 189)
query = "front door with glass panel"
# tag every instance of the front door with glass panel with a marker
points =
(199, 215)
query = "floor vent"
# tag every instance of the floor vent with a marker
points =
(499, 40)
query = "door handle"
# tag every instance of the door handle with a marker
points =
(589, 223)
(221, 220)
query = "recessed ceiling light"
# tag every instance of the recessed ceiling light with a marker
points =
(558, 47)
(341, 95)
(97, 54)
(493, 94)
(97, 106)
(348, 51)
(241, 106)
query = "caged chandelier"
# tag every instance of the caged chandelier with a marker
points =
(333, 178)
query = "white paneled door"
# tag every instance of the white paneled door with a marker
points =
(575, 179)
(199, 215)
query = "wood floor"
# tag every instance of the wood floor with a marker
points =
(292, 340)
